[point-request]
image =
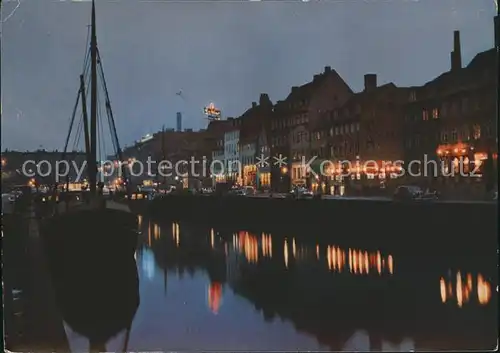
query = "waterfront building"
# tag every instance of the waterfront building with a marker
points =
(177, 150)
(217, 163)
(39, 167)
(232, 166)
(263, 164)
(452, 120)
(296, 116)
(364, 131)
(214, 143)
(248, 141)
(253, 142)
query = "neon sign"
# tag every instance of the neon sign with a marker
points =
(212, 112)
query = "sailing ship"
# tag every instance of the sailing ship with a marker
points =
(103, 230)
(90, 242)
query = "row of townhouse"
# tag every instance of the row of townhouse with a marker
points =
(331, 139)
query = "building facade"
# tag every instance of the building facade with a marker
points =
(43, 167)
(451, 127)
(253, 143)
(263, 162)
(295, 118)
(357, 138)
(217, 164)
(232, 165)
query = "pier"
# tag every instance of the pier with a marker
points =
(32, 318)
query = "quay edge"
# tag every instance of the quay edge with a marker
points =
(374, 221)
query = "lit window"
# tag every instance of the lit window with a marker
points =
(456, 164)
(435, 113)
(477, 132)
(425, 115)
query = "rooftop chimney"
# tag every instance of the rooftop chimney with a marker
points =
(254, 104)
(295, 89)
(456, 54)
(264, 99)
(327, 69)
(370, 82)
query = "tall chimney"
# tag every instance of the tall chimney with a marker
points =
(254, 104)
(456, 54)
(179, 121)
(370, 82)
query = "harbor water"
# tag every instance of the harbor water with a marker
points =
(204, 288)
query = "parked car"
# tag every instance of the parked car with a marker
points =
(14, 195)
(301, 192)
(249, 190)
(430, 195)
(408, 193)
(237, 192)
(307, 193)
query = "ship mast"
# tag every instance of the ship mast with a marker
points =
(92, 163)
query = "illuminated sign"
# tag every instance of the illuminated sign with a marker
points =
(212, 112)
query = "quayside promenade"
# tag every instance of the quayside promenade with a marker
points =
(31, 317)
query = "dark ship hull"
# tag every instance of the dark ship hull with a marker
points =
(98, 301)
(90, 255)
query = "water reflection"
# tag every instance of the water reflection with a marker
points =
(97, 304)
(315, 288)
(139, 221)
(214, 296)
(463, 291)
(355, 261)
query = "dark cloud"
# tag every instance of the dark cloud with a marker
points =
(215, 51)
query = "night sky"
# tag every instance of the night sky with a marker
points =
(225, 52)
